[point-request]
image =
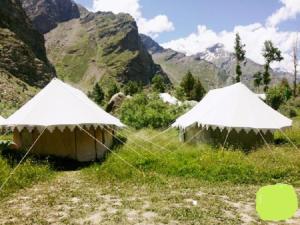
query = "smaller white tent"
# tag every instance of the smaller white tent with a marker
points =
(235, 108)
(167, 98)
(61, 111)
(2, 120)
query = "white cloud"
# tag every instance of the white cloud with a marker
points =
(155, 25)
(289, 10)
(152, 27)
(253, 35)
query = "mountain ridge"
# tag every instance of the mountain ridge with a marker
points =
(223, 60)
(24, 66)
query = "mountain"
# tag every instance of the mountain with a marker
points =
(176, 65)
(46, 14)
(101, 47)
(24, 66)
(215, 66)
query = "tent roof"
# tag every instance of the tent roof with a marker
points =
(235, 107)
(60, 105)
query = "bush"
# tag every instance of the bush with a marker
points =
(111, 90)
(148, 111)
(278, 95)
(158, 84)
(288, 110)
(132, 87)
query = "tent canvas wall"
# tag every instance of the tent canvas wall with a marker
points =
(61, 112)
(74, 144)
(233, 109)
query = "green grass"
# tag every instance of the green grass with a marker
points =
(150, 163)
(28, 173)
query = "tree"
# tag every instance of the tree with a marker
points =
(239, 54)
(295, 61)
(187, 84)
(198, 91)
(257, 79)
(286, 89)
(97, 94)
(270, 54)
(279, 94)
(112, 89)
(132, 87)
(158, 83)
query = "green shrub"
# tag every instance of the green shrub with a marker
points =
(132, 87)
(148, 111)
(158, 83)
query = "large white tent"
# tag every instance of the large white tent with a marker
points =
(233, 108)
(62, 111)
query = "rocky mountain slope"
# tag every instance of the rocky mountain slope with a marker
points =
(46, 14)
(23, 62)
(88, 47)
(215, 66)
(176, 65)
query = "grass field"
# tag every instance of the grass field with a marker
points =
(169, 183)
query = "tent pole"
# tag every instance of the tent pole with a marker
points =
(95, 143)
(227, 135)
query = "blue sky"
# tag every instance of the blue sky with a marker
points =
(191, 26)
(218, 15)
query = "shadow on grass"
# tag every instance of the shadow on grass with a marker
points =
(13, 157)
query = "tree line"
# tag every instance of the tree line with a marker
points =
(271, 54)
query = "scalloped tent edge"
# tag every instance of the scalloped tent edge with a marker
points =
(234, 107)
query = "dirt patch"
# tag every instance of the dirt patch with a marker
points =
(72, 199)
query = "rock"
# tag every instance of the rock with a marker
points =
(23, 62)
(115, 102)
(46, 14)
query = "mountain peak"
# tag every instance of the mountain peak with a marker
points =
(216, 48)
(152, 46)
(46, 14)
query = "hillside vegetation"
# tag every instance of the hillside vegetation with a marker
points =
(23, 62)
(100, 47)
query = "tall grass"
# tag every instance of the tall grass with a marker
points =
(281, 163)
(29, 172)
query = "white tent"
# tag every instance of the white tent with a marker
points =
(62, 111)
(60, 105)
(2, 120)
(167, 98)
(236, 108)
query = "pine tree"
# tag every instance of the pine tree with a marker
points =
(257, 79)
(97, 94)
(239, 55)
(198, 91)
(158, 83)
(187, 84)
(270, 54)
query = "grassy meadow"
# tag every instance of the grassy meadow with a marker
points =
(163, 181)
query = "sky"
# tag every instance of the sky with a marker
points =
(191, 26)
